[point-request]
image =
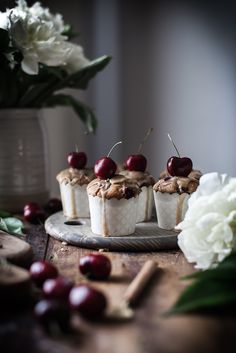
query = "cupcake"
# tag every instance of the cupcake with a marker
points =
(171, 196)
(113, 205)
(146, 201)
(73, 186)
(113, 200)
(172, 191)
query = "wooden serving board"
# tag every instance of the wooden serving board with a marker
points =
(14, 249)
(147, 237)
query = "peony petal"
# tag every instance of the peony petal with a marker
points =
(30, 65)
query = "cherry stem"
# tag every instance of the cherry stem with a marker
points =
(76, 148)
(117, 143)
(171, 140)
(148, 133)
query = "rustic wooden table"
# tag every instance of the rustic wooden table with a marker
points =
(150, 331)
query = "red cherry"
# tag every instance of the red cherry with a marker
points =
(77, 160)
(88, 301)
(179, 166)
(95, 266)
(53, 205)
(136, 162)
(57, 288)
(105, 168)
(34, 213)
(49, 311)
(42, 270)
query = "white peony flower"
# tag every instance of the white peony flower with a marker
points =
(75, 59)
(4, 20)
(209, 228)
(37, 34)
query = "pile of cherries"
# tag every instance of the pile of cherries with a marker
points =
(35, 214)
(61, 297)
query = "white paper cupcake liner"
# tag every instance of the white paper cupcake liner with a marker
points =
(113, 217)
(170, 208)
(145, 204)
(74, 200)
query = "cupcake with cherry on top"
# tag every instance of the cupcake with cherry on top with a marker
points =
(113, 200)
(173, 189)
(73, 183)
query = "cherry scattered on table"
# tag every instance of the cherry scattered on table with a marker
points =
(34, 213)
(42, 270)
(95, 266)
(57, 288)
(50, 312)
(53, 205)
(88, 301)
(77, 160)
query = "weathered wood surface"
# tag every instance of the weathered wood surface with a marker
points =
(149, 332)
(147, 236)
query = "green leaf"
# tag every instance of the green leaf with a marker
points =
(51, 80)
(35, 87)
(3, 225)
(82, 110)
(205, 295)
(81, 78)
(4, 214)
(4, 40)
(211, 289)
(69, 32)
(14, 225)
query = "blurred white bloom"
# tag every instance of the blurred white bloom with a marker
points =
(4, 20)
(44, 14)
(209, 228)
(37, 34)
(76, 59)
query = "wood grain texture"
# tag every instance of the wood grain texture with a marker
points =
(147, 237)
(150, 331)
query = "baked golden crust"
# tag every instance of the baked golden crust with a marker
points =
(178, 185)
(117, 187)
(76, 176)
(142, 178)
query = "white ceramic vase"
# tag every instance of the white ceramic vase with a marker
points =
(24, 175)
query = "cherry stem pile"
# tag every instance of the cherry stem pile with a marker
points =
(171, 140)
(145, 139)
(117, 143)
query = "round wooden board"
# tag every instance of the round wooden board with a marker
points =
(147, 237)
(14, 249)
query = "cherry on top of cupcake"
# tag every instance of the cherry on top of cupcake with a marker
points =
(138, 162)
(76, 159)
(179, 166)
(105, 167)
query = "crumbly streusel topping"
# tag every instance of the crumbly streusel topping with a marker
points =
(176, 184)
(117, 187)
(76, 176)
(142, 178)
